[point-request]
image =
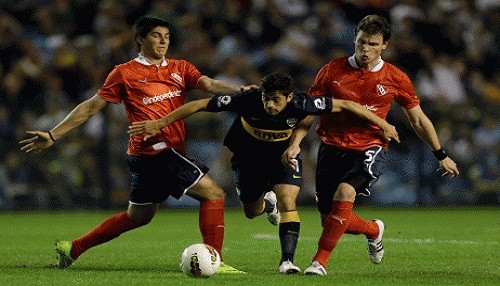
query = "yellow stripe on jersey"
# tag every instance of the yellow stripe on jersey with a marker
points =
(265, 134)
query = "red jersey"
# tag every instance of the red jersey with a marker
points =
(150, 92)
(374, 89)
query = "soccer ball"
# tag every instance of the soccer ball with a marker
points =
(200, 260)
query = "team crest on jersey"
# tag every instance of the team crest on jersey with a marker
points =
(177, 77)
(291, 122)
(381, 90)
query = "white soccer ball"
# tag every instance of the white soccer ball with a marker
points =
(200, 260)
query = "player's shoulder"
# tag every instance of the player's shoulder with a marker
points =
(393, 67)
(341, 61)
(300, 95)
(303, 100)
(394, 70)
(127, 65)
(178, 62)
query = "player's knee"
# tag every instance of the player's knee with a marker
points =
(345, 192)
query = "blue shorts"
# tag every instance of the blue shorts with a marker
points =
(156, 177)
(360, 169)
(251, 181)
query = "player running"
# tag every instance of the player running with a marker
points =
(351, 156)
(150, 86)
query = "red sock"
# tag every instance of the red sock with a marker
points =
(361, 226)
(109, 229)
(211, 222)
(333, 228)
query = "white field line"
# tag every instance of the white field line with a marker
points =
(353, 238)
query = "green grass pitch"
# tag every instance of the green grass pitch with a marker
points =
(423, 246)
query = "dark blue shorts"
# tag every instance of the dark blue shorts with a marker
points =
(156, 177)
(360, 169)
(255, 175)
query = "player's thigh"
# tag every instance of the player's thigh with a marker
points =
(251, 183)
(206, 189)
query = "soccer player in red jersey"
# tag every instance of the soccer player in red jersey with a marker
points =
(150, 86)
(352, 153)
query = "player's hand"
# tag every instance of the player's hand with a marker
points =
(288, 157)
(40, 141)
(148, 127)
(390, 133)
(244, 88)
(448, 167)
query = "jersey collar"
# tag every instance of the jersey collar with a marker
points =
(376, 68)
(143, 60)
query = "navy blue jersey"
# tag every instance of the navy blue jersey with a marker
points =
(254, 132)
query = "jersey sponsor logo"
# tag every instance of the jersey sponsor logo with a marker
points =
(336, 82)
(320, 103)
(223, 100)
(177, 77)
(296, 176)
(144, 81)
(265, 134)
(381, 90)
(161, 97)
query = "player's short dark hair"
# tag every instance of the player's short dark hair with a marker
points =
(277, 82)
(146, 23)
(375, 25)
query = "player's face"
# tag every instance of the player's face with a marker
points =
(368, 49)
(155, 45)
(275, 102)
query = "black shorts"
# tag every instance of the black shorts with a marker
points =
(156, 177)
(251, 181)
(360, 169)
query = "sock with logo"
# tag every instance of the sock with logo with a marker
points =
(211, 223)
(361, 226)
(289, 229)
(333, 228)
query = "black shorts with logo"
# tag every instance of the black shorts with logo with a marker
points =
(168, 173)
(251, 182)
(360, 169)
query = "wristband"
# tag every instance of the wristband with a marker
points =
(52, 137)
(440, 154)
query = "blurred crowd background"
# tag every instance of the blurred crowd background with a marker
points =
(56, 53)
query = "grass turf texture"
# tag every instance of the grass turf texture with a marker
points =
(439, 246)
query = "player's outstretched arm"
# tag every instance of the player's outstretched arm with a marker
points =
(151, 127)
(426, 131)
(389, 132)
(81, 113)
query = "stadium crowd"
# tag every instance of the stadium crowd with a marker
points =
(56, 53)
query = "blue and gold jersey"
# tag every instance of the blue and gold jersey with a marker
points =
(254, 130)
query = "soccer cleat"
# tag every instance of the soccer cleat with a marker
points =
(273, 216)
(315, 269)
(63, 249)
(287, 267)
(227, 269)
(375, 247)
